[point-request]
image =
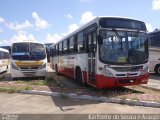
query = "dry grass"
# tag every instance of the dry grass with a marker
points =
(135, 93)
(47, 82)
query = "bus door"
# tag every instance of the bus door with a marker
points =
(91, 38)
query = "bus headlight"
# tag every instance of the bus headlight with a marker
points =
(42, 66)
(144, 71)
(107, 73)
(15, 66)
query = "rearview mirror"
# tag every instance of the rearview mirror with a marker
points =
(100, 40)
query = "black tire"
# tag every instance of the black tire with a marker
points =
(15, 79)
(157, 69)
(56, 69)
(79, 75)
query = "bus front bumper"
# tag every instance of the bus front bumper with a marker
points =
(32, 73)
(106, 82)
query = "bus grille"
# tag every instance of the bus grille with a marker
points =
(127, 75)
(128, 69)
(29, 68)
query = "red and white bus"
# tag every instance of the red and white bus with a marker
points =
(106, 52)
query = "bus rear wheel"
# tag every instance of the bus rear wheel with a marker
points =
(79, 75)
(157, 69)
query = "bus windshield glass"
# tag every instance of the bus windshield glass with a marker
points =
(122, 47)
(28, 51)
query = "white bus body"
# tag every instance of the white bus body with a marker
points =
(106, 52)
(28, 59)
(154, 52)
(4, 60)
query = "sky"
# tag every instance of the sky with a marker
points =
(48, 21)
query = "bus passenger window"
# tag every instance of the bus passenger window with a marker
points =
(53, 51)
(65, 49)
(71, 45)
(80, 42)
(60, 48)
(75, 43)
(57, 49)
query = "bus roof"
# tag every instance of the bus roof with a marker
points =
(4, 50)
(95, 20)
(28, 41)
(155, 31)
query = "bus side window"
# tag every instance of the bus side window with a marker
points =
(53, 51)
(68, 46)
(65, 49)
(71, 46)
(57, 49)
(157, 39)
(151, 40)
(75, 43)
(80, 42)
(5, 55)
(60, 48)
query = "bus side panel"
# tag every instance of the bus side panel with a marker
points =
(81, 62)
(154, 58)
(4, 60)
(67, 71)
(66, 65)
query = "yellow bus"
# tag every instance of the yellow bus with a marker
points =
(4, 60)
(28, 59)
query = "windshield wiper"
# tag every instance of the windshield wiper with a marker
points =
(114, 30)
(118, 36)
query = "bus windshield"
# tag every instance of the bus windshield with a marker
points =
(123, 47)
(28, 51)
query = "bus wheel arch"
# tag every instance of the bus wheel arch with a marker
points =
(157, 69)
(78, 74)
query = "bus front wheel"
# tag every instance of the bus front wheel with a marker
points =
(157, 69)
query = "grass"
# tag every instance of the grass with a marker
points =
(134, 93)
(123, 97)
(1, 78)
(26, 85)
(14, 89)
(120, 91)
(28, 88)
(47, 82)
(135, 99)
